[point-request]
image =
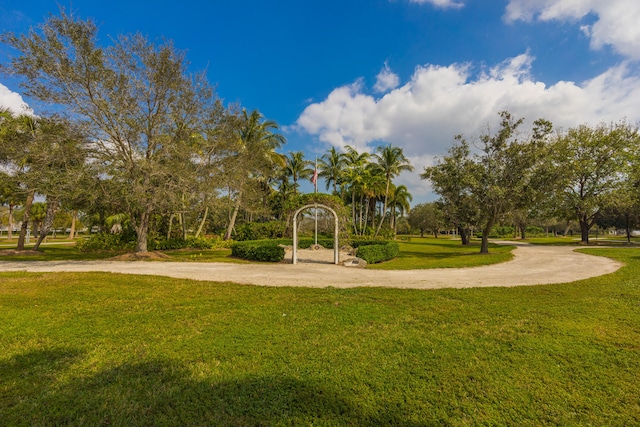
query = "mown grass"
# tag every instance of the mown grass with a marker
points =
(107, 349)
(429, 252)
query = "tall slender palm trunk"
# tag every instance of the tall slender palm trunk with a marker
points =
(25, 220)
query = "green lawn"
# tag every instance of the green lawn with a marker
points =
(429, 252)
(107, 349)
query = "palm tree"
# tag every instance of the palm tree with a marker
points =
(296, 167)
(254, 156)
(372, 186)
(332, 166)
(399, 200)
(391, 161)
(355, 164)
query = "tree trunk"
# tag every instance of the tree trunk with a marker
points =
(25, 220)
(170, 225)
(523, 233)
(52, 208)
(353, 211)
(10, 230)
(484, 247)
(183, 225)
(142, 231)
(366, 216)
(628, 229)
(463, 235)
(584, 229)
(74, 219)
(232, 221)
(384, 208)
(204, 219)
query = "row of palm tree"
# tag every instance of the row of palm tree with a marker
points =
(363, 180)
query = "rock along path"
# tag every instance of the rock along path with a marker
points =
(532, 265)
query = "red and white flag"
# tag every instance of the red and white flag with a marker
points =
(315, 179)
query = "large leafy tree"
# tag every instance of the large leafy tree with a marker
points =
(495, 178)
(427, 217)
(593, 165)
(451, 180)
(46, 157)
(136, 98)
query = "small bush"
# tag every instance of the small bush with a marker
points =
(167, 244)
(378, 252)
(268, 251)
(107, 242)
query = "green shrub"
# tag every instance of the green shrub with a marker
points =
(260, 230)
(167, 244)
(164, 244)
(366, 242)
(107, 242)
(268, 251)
(378, 252)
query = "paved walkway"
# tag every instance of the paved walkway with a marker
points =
(532, 265)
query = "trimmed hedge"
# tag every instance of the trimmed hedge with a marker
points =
(265, 250)
(366, 242)
(377, 252)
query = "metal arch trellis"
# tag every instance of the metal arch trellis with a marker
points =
(336, 249)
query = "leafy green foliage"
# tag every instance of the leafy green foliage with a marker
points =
(378, 252)
(268, 251)
(190, 242)
(107, 242)
(260, 230)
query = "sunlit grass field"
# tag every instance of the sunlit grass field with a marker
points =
(108, 349)
(429, 252)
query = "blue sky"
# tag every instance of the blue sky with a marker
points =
(371, 72)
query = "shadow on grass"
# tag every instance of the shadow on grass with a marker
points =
(165, 393)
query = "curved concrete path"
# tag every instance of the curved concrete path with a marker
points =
(532, 265)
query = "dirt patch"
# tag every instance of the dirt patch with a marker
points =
(140, 256)
(16, 252)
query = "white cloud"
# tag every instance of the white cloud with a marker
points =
(13, 101)
(423, 115)
(616, 24)
(386, 79)
(444, 4)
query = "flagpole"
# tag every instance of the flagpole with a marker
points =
(315, 183)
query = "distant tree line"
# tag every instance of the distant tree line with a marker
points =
(139, 144)
(585, 174)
